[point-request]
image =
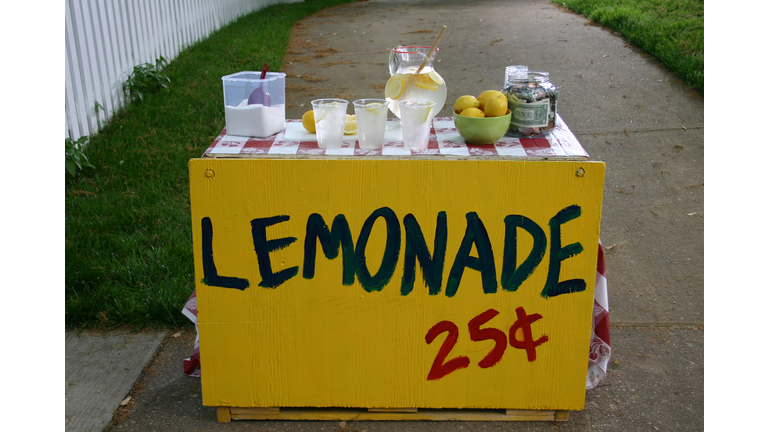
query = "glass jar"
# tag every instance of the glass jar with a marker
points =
(532, 100)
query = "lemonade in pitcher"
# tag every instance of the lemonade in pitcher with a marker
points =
(406, 84)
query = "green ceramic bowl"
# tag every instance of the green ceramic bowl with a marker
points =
(482, 130)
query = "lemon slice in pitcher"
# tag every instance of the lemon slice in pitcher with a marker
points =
(425, 82)
(436, 77)
(394, 88)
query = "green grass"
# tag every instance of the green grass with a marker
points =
(128, 240)
(670, 30)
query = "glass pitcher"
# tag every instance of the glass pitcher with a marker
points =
(405, 84)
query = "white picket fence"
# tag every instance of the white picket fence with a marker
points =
(105, 39)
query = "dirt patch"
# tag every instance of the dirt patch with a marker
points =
(312, 78)
(336, 63)
(379, 87)
(298, 59)
(301, 52)
(346, 95)
(299, 45)
(305, 88)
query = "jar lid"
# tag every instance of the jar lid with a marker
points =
(521, 74)
(516, 72)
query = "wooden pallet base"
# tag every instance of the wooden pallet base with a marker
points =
(227, 414)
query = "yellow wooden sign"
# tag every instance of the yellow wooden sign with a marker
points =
(395, 283)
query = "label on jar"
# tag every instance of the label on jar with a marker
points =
(530, 115)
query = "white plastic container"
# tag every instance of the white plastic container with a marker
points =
(254, 107)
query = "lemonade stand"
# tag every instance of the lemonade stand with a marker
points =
(454, 282)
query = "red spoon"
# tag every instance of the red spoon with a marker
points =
(259, 95)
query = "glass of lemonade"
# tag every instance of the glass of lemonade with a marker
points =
(371, 117)
(405, 84)
(330, 115)
(415, 116)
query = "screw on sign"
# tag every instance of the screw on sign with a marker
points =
(441, 367)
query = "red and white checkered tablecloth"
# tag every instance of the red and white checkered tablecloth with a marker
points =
(600, 347)
(444, 141)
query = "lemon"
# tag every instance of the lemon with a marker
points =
(465, 102)
(436, 77)
(487, 95)
(472, 112)
(394, 88)
(308, 121)
(350, 125)
(324, 111)
(496, 106)
(426, 116)
(425, 81)
(374, 107)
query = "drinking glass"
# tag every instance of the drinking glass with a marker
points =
(371, 116)
(414, 118)
(330, 115)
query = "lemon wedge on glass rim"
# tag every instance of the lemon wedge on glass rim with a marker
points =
(374, 107)
(325, 105)
(426, 116)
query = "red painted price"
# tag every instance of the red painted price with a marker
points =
(441, 367)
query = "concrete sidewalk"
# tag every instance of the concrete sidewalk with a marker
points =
(101, 369)
(625, 109)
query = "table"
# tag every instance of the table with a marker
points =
(533, 161)
(444, 141)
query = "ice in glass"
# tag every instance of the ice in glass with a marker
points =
(415, 118)
(330, 115)
(371, 117)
